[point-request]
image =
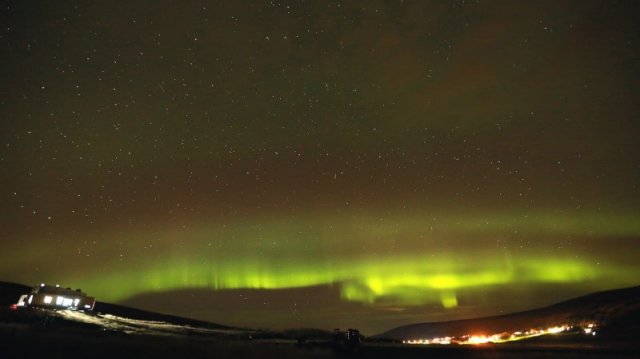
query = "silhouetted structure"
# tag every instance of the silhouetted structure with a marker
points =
(349, 340)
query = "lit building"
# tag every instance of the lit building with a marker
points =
(56, 297)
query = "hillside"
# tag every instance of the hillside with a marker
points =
(10, 292)
(619, 310)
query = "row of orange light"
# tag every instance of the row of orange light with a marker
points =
(500, 338)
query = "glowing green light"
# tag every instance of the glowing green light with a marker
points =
(404, 281)
(449, 300)
(401, 261)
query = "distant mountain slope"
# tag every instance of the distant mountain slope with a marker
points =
(10, 292)
(620, 307)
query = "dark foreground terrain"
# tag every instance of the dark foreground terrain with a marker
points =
(29, 334)
(113, 331)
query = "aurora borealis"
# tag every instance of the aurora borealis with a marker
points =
(326, 164)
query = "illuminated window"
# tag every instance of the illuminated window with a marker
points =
(59, 300)
(75, 302)
(47, 299)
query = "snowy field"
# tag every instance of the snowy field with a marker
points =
(135, 326)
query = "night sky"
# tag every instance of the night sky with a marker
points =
(321, 163)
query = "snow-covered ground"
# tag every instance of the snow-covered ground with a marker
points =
(135, 326)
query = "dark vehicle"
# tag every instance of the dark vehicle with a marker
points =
(349, 340)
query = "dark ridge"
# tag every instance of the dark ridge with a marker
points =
(11, 292)
(612, 307)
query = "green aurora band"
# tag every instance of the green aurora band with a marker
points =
(406, 261)
(399, 281)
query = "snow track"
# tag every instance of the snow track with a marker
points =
(135, 326)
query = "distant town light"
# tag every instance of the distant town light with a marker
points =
(504, 336)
